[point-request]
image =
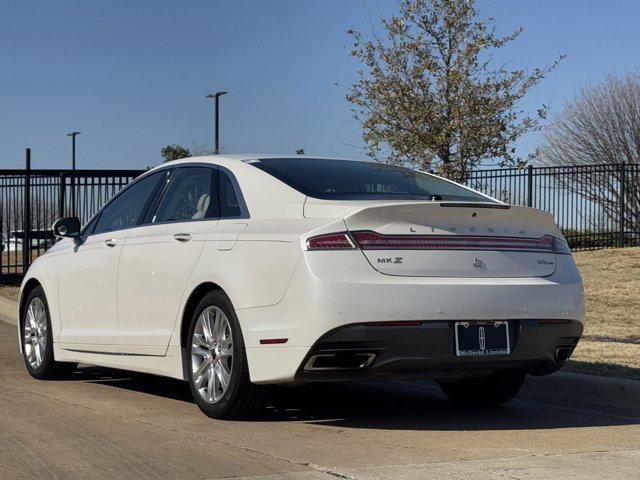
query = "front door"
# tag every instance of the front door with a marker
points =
(87, 291)
(88, 270)
(158, 260)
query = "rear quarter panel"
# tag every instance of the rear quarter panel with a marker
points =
(257, 271)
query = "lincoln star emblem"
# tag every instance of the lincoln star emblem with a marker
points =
(477, 263)
(481, 338)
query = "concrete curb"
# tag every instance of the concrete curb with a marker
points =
(8, 310)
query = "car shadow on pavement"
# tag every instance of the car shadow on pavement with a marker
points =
(383, 405)
(134, 381)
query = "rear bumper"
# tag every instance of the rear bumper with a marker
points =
(326, 295)
(362, 352)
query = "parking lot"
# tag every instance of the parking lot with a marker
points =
(110, 424)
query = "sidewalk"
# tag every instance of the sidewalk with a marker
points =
(8, 310)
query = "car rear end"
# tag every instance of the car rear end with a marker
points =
(455, 286)
(445, 290)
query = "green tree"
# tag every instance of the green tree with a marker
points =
(428, 94)
(174, 152)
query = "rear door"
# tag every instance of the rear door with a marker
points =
(159, 257)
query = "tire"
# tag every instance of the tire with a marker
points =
(37, 340)
(491, 391)
(210, 362)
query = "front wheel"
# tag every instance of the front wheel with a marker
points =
(218, 371)
(490, 391)
(37, 340)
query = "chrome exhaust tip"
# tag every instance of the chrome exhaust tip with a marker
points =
(563, 353)
(339, 361)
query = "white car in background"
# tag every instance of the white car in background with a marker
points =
(237, 272)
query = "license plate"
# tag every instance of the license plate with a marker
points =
(475, 339)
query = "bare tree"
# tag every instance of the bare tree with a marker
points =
(601, 126)
(200, 149)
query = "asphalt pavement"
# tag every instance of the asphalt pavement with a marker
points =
(104, 423)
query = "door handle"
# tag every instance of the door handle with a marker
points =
(112, 242)
(183, 237)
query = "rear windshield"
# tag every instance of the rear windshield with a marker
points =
(352, 180)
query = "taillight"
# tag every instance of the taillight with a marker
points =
(332, 241)
(368, 240)
(560, 246)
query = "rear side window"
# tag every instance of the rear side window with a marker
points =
(191, 195)
(352, 180)
(127, 209)
(229, 204)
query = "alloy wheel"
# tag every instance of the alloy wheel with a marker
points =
(35, 333)
(211, 354)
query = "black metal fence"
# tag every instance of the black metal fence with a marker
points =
(31, 200)
(595, 206)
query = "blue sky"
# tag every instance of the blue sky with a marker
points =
(132, 75)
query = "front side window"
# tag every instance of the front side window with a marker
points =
(191, 195)
(126, 210)
(352, 180)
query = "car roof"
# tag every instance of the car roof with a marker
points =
(248, 157)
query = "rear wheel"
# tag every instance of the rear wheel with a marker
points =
(37, 340)
(496, 389)
(218, 371)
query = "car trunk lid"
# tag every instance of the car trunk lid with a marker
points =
(450, 239)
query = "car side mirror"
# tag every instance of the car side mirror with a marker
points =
(67, 227)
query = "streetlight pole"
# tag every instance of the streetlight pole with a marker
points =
(73, 167)
(216, 128)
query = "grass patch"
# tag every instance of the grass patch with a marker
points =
(611, 341)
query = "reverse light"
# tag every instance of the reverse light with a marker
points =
(332, 241)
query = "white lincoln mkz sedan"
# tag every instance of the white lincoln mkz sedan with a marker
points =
(237, 272)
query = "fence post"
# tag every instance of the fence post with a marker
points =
(26, 218)
(61, 194)
(530, 186)
(622, 199)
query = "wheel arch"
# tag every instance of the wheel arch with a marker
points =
(190, 305)
(29, 286)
